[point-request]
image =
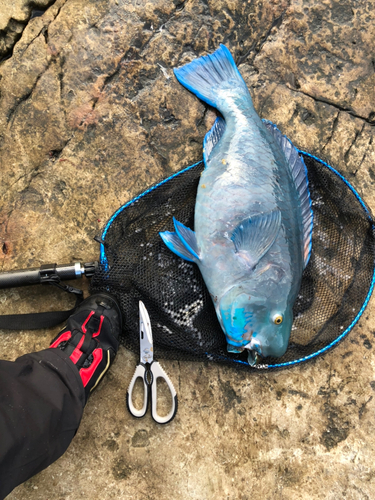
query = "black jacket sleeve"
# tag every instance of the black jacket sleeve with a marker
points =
(41, 405)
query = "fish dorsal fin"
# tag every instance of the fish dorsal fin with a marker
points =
(299, 172)
(254, 236)
(212, 137)
(182, 242)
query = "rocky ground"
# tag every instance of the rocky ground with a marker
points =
(90, 114)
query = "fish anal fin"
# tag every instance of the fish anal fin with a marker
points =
(254, 236)
(212, 137)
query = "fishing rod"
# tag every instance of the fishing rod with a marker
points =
(47, 274)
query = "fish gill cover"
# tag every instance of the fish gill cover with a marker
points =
(136, 265)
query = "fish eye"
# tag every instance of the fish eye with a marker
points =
(277, 319)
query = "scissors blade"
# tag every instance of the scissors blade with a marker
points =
(145, 335)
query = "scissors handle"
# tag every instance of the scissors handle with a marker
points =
(149, 378)
(158, 372)
(140, 372)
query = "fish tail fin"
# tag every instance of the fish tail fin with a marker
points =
(206, 75)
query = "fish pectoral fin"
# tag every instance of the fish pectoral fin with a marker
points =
(254, 236)
(182, 242)
(259, 272)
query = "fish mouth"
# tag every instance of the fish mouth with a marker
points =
(254, 356)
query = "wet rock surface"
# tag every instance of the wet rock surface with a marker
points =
(91, 114)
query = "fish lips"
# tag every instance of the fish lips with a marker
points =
(254, 356)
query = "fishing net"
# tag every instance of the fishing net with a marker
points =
(136, 265)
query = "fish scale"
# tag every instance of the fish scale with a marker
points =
(253, 218)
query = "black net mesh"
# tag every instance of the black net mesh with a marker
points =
(136, 265)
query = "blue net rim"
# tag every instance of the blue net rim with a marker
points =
(104, 262)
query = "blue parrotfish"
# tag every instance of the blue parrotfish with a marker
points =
(253, 219)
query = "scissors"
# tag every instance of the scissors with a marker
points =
(149, 370)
